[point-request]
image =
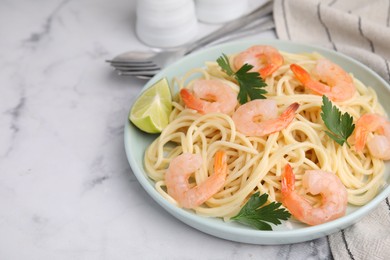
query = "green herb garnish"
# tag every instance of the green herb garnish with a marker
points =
(251, 84)
(340, 125)
(254, 214)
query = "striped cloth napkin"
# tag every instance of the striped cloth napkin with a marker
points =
(359, 29)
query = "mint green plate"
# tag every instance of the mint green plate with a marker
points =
(289, 232)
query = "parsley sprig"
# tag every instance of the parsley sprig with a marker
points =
(340, 125)
(256, 215)
(251, 84)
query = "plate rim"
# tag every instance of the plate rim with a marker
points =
(241, 233)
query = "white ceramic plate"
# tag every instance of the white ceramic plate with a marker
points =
(136, 143)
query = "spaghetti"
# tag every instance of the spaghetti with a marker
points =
(256, 163)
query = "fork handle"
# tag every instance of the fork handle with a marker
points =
(263, 10)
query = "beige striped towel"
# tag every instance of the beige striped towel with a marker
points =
(360, 29)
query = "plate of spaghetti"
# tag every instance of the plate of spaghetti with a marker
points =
(268, 142)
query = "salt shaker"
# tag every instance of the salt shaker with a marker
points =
(220, 11)
(166, 23)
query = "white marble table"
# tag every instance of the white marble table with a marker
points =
(66, 188)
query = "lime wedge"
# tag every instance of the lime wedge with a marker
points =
(151, 110)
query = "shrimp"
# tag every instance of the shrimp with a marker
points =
(333, 192)
(210, 96)
(180, 169)
(378, 145)
(337, 83)
(259, 117)
(264, 59)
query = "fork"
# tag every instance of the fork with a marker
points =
(145, 64)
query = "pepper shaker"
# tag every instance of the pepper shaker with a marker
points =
(220, 11)
(166, 23)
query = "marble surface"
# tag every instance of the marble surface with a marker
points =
(66, 188)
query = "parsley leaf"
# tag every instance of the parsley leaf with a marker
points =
(223, 62)
(251, 84)
(256, 215)
(340, 125)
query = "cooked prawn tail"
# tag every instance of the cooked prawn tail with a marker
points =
(271, 67)
(300, 73)
(215, 182)
(191, 101)
(267, 70)
(288, 180)
(360, 137)
(220, 163)
(289, 113)
(304, 77)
